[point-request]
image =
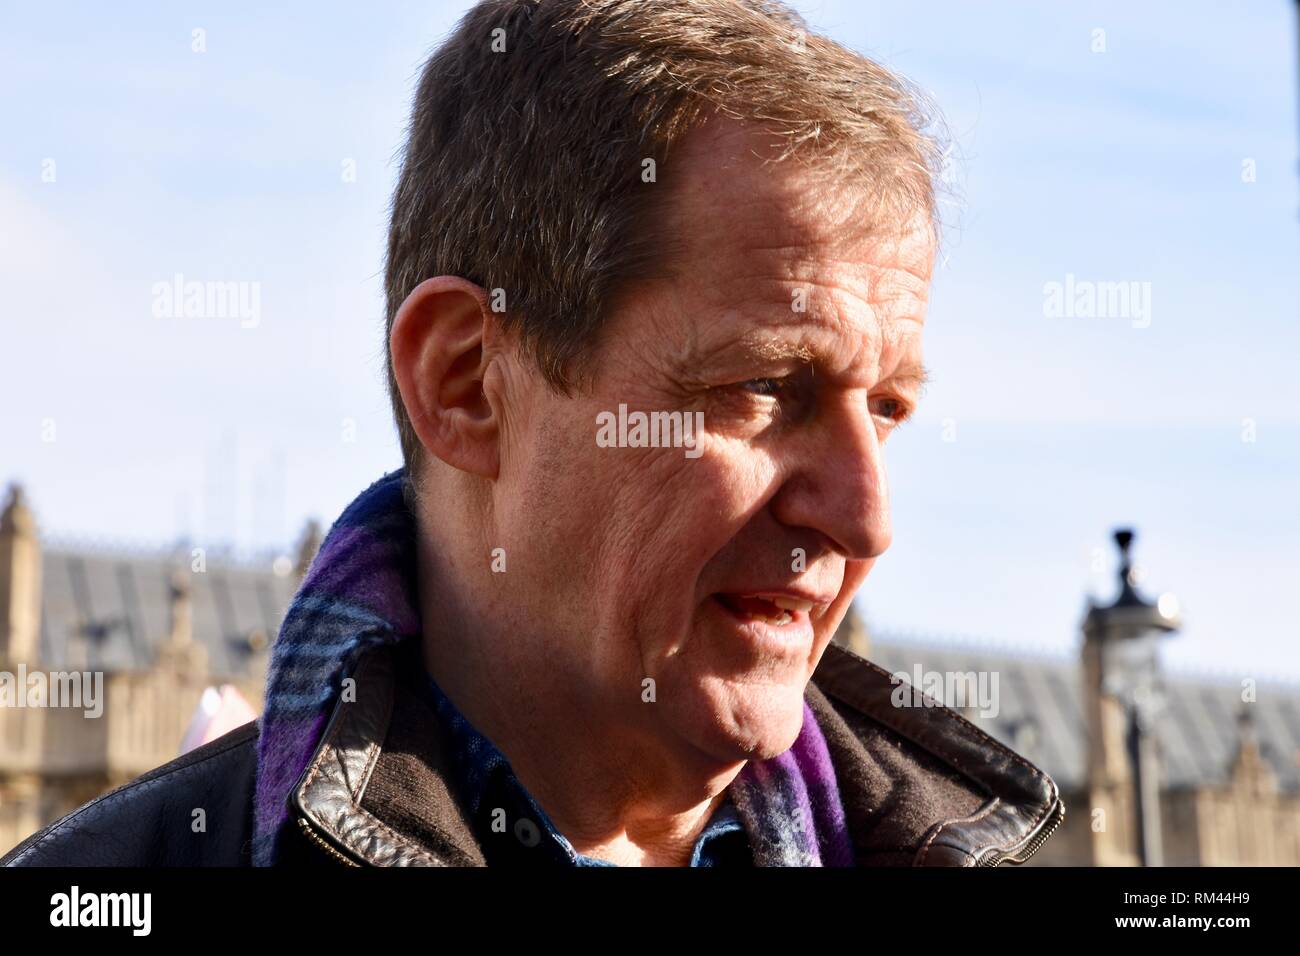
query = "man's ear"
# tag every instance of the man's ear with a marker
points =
(437, 352)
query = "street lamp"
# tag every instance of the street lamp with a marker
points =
(1127, 632)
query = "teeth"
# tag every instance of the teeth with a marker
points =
(791, 604)
(777, 610)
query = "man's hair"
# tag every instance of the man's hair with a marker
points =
(524, 170)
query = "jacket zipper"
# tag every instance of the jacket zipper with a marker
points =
(334, 854)
(1045, 831)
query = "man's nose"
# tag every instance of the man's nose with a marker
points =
(838, 486)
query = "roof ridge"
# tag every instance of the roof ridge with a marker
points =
(1219, 678)
(222, 555)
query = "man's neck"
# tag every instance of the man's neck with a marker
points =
(674, 847)
(615, 790)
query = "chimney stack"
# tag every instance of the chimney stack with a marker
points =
(852, 634)
(182, 612)
(308, 545)
(180, 652)
(20, 581)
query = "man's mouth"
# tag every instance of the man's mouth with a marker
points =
(777, 610)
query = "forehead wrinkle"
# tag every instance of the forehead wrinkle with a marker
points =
(907, 279)
(836, 308)
(867, 278)
(833, 296)
(800, 249)
(844, 304)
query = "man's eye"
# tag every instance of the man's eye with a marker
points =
(892, 409)
(764, 386)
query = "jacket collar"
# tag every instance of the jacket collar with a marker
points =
(921, 786)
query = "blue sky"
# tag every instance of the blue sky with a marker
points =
(1036, 438)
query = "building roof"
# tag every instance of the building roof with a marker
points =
(107, 610)
(1040, 714)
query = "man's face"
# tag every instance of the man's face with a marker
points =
(720, 574)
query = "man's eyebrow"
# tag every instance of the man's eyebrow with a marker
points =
(911, 375)
(752, 348)
(777, 350)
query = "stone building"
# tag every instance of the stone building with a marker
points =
(164, 626)
(1229, 769)
(160, 627)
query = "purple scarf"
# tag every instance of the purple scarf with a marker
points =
(359, 593)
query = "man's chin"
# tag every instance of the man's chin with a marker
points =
(750, 723)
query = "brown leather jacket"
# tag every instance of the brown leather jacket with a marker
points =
(921, 786)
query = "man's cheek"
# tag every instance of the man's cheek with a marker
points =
(705, 503)
(663, 536)
(855, 573)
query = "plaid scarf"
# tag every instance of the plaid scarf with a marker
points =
(360, 593)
